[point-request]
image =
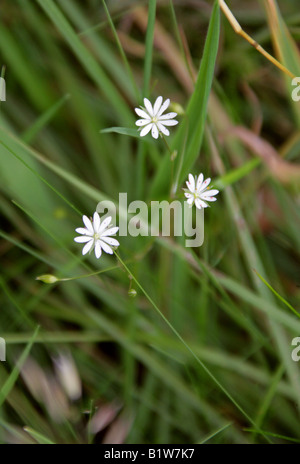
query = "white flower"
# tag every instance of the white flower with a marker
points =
(154, 119)
(96, 235)
(198, 191)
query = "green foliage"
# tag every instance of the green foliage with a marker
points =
(174, 344)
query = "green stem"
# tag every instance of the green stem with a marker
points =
(48, 278)
(171, 158)
(140, 174)
(198, 360)
(121, 50)
(166, 143)
(149, 47)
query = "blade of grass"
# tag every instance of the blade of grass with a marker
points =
(34, 171)
(198, 360)
(196, 111)
(141, 154)
(253, 260)
(275, 435)
(29, 135)
(27, 77)
(104, 52)
(40, 438)
(267, 400)
(86, 59)
(10, 382)
(121, 50)
(149, 47)
(287, 49)
(278, 295)
(126, 131)
(217, 432)
(179, 39)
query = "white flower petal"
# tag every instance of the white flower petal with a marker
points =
(96, 222)
(170, 122)
(205, 185)
(111, 241)
(83, 239)
(190, 201)
(163, 108)
(209, 198)
(98, 250)
(209, 193)
(146, 129)
(104, 224)
(191, 183)
(106, 248)
(142, 122)
(87, 247)
(88, 224)
(188, 195)
(92, 241)
(111, 231)
(154, 131)
(157, 105)
(82, 231)
(142, 113)
(162, 129)
(167, 116)
(148, 106)
(199, 181)
(200, 204)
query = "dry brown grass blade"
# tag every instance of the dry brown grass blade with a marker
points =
(238, 30)
(282, 170)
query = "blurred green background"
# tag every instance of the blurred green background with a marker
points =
(104, 367)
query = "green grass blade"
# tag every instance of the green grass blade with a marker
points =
(196, 112)
(217, 432)
(127, 131)
(149, 47)
(198, 360)
(30, 134)
(10, 382)
(86, 59)
(278, 295)
(121, 50)
(286, 48)
(41, 439)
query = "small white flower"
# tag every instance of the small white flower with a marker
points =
(153, 118)
(198, 191)
(96, 235)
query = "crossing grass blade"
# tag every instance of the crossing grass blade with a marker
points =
(13, 377)
(41, 439)
(279, 296)
(196, 112)
(126, 131)
(86, 59)
(286, 48)
(30, 133)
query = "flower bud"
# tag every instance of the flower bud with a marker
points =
(177, 108)
(48, 279)
(132, 293)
